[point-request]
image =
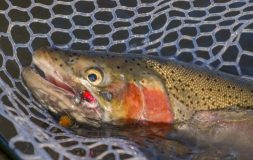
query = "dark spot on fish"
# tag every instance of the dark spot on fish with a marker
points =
(130, 69)
(72, 68)
(138, 64)
(236, 97)
(94, 60)
(61, 65)
(160, 66)
(203, 89)
(172, 72)
(229, 103)
(215, 80)
(233, 87)
(251, 91)
(224, 95)
(246, 101)
(55, 59)
(181, 101)
(210, 89)
(228, 87)
(218, 90)
(183, 89)
(126, 61)
(118, 67)
(207, 79)
(133, 59)
(229, 96)
(188, 97)
(192, 80)
(200, 75)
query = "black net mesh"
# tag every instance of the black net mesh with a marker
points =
(217, 34)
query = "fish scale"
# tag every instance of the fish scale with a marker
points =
(199, 89)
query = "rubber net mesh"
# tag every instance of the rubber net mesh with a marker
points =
(213, 33)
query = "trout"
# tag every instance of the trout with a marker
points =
(97, 88)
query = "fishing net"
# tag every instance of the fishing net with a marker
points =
(217, 34)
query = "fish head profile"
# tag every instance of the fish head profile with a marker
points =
(95, 88)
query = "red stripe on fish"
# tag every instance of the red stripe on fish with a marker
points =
(133, 103)
(157, 107)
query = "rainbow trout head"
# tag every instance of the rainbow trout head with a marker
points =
(98, 88)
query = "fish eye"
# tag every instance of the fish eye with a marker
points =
(94, 76)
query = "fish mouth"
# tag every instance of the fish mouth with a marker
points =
(60, 84)
(82, 109)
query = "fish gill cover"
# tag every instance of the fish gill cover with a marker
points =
(217, 34)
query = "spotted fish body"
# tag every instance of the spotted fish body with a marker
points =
(128, 88)
(194, 89)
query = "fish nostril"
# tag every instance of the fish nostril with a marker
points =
(106, 95)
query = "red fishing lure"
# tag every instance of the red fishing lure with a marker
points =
(88, 96)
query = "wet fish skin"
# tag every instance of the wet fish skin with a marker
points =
(136, 88)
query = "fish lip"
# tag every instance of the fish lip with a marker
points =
(49, 78)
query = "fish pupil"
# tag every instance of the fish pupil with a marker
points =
(92, 77)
